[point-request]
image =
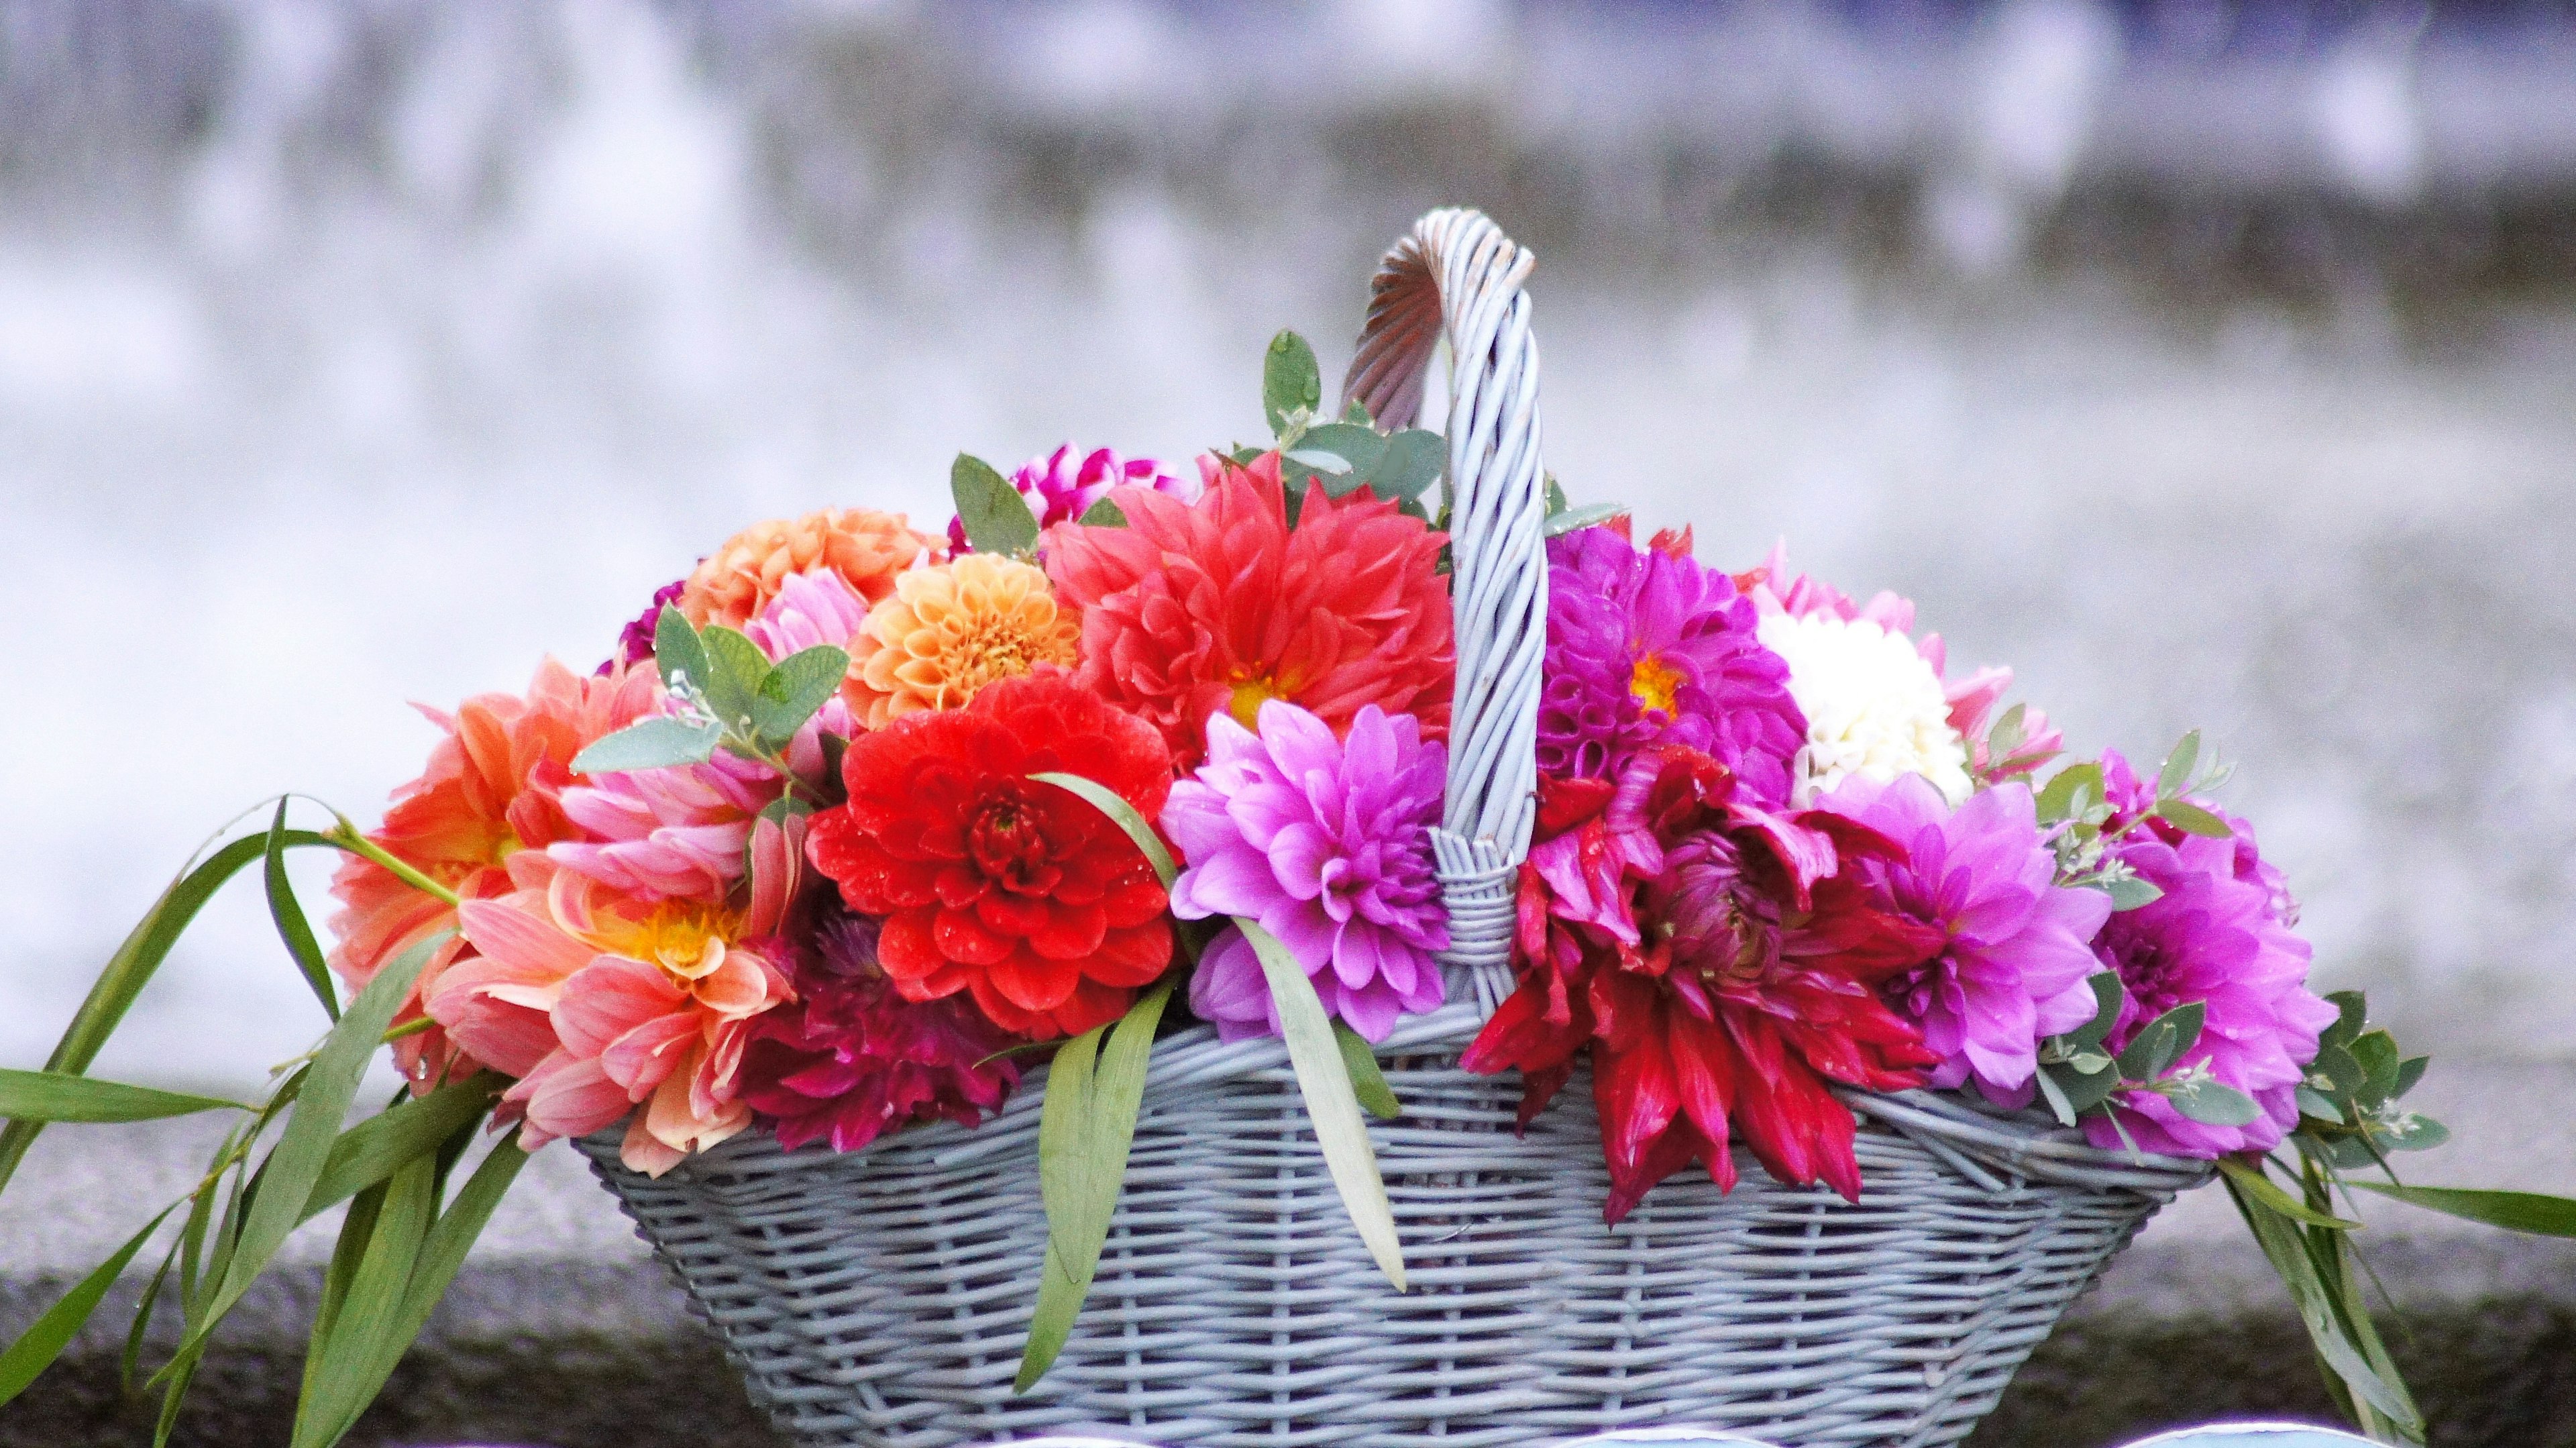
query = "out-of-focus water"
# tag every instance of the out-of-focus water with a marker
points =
(354, 355)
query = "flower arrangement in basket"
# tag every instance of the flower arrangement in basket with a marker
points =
(1360, 744)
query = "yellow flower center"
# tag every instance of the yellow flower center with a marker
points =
(683, 937)
(1654, 682)
(1249, 695)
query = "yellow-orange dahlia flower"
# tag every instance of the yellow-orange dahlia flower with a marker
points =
(949, 630)
(865, 547)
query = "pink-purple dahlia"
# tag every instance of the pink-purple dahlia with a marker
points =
(2219, 934)
(635, 644)
(1327, 845)
(852, 1059)
(2016, 953)
(1650, 649)
(1063, 485)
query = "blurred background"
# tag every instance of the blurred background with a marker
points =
(2209, 364)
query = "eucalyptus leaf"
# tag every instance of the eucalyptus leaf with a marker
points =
(2376, 1051)
(1317, 460)
(45, 1339)
(660, 742)
(2056, 799)
(1122, 814)
(2055, 1095)
(54, 1096)
(2533, 1212)
(793, 689)
(2337, 1064)
(1557, 502)
(996, 517)
(735, 667)
(2409, 1131)
(2108, 996)
(1354, 410)
(2129, 892)
(1332, 1107)
(2083, 1090)
(2213, 1103)
(2317, 1104)
(2410, 1071)
(2193, 819)
(1411, 462)
(2178, 766)
(2352, 1014)
(678, 652)
(1367, 1081)
(1290, 381)
(2161, 1042)
(1103, 514)
(288, 914)
(1587, 516)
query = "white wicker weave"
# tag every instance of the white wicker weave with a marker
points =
(882, 1298)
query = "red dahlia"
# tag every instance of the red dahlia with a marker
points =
(992, 883)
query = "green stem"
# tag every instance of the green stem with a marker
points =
(346, 836)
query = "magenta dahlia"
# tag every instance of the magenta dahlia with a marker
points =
(1650, 649)
(1325, 843)
(852, 1059)
(2015, 950)
(2219, 934)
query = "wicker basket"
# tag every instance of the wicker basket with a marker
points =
(882, 1298)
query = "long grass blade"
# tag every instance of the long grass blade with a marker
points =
(292, 928)
(375, 1148)
(53, 1096)
(37, 1347)
(2534, 1212)
(372, 1300)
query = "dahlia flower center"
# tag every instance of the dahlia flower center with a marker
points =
(684, 938)
(991, 649)
(1653, 683)
(1007, 845)
(1251, 691)
(2144, 970)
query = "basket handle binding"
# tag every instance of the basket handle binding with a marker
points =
(1458, 277)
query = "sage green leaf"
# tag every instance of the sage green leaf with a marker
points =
(656, 743)
(735, 667)
(372, 1150)
(357, 1228)
(1290, 381)
(1587, 516)
(2250, 1177)
(2409, 1131)
(2352, 1014)
(793, 689)
(1332, 1106)
(2193, 818)
(1354, 410)
(289, 915)
(2213, 1103)
(2161, 1042)
(2129, 892)
(2057, 798)
(2338, 1065)
(996, 518)
(1085, 1128)
(1103, 514)
(679, 653)
(1557, 502)
(1411, 462)
(2410, 1071)
(1122, 814)
(304, 1149)
(2108, 997)
(1368, 1083)
(2083, 1090)
(2178, 766)
(54, 1096)
(2058, 1105)
(132, 967)
(44, 1340)
(1328, 464)
(370, 1308)
(2533, 1212)
(2377, 1053)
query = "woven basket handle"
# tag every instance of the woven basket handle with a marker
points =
(1457, 276)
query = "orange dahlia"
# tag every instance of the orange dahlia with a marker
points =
(949, 630)
(1019, 892)
(493, 787)
(1220, 605)
(865, 547)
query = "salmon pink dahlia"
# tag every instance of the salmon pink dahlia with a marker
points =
(1195, 610)
(865, 547)
(1016, 891)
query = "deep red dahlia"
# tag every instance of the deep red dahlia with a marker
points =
(850, 1058)
(991, 882)
(1731, 974)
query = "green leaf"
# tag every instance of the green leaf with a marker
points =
(44, 1341)
(1354, 410)
(2007, 732)
(2129, 892)
(2213, 1103)
(1329, 464)
(2250, 1177)
(2338, 1065)
(678, 652)
(2352, 1014)
(2161, 1042)
(2178, 766)
(291, 925)
(2318, 1105)
(2377, 1053)
(2409, 1131)
(2108, 997)
(1368, 1083)
(356, 1230)
(1557, 502)
(791, 691)
(735, 667)
(132, 967)
(2057, 798)
(2193, 818)
(368, 1309)
(1122, 814)
(2058, 1104)
(1290, 381)
(2533, 1212)
(1589, 515)
(372, 1150)
(54, 1096)
(2083, 1090)
(1104, 514)
(1411, 462)
(303, 1150)
(656, 743)
(1332, 1106)
(1085, 1128)
(2410, 1071)
(996, 518)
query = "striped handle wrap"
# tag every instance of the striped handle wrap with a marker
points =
(1458, 278)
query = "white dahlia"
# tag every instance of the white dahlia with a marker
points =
(1874, 705)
